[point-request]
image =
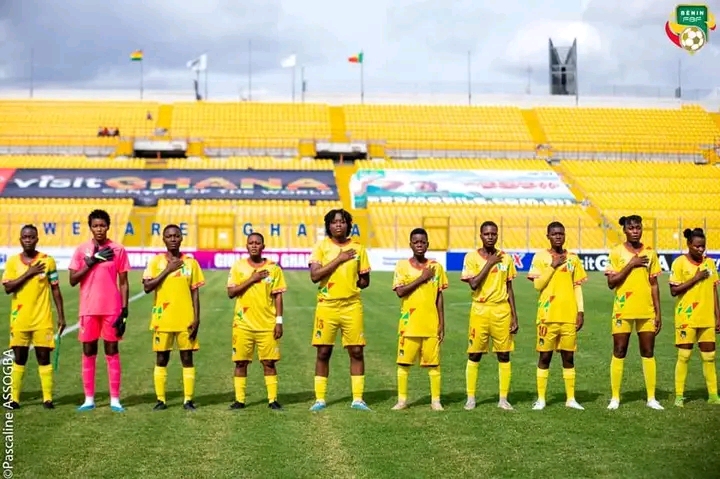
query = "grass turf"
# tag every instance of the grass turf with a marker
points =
(633, 441)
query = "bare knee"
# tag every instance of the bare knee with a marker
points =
(475, 357)
(544, 359)
(241, 368)
(111, 348)
(356, 353)
(269, 368)
(43, 356)
(90, 348)
(324, 353)
(503, 357)
(162, 358)
(21, 355)
(568, 359)
(186, 358)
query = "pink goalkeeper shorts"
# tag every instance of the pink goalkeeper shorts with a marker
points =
(93, 328)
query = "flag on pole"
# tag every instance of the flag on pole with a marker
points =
(358, 58)
(199, 64)
(136, 56)
(289, 62)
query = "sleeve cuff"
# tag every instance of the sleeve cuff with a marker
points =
(364, 271)
(198, 285)
(443, 287)
(582, 281)
(278, 290)
(675, 283)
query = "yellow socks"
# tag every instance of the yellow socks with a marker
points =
(569, 378)
(681, 371)
(188, 375)
(46, 381)
(320, 388)
(650, 373)
(710, 372)
(240, 384)
(542, 381)
(160, 379)
(17, 377)
(402, 382)
(505, 373)
(271, 383)
(435, 383)
(616, 375)
(472, 369)
(358, 387)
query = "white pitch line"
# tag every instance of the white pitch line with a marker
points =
(76, 326)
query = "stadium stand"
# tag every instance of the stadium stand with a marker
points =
(245, 129)
(68, 126)
(261, 136)
(630, 131)
(62, 222)
(417, 131)
(671, 196)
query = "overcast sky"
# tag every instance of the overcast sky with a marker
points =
(409, 45)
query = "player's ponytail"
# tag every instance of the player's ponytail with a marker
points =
(626, 220)
(622, 220)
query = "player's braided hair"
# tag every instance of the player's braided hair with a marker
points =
(29, 227)
(689, 234)
(330, 217)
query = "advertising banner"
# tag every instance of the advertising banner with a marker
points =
(386, 259)
(146, 187)
(287, 259)
(596, 262)
(456, 187)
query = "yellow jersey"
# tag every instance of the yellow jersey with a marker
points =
(695, 308)
(255, 309)
(418, 312)
(173, 310)
(557, 303)
(494, 290)
(633, 298)
(342, 284)
(30, 308)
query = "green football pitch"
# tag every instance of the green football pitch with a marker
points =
(213, 441)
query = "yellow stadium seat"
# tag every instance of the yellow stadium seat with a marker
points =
(60, 222)
(669, 196)
(72, 123)
(439, 128)
(251, 125)
(687, 130)
(250, 162)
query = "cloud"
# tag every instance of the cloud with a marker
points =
(409, 46)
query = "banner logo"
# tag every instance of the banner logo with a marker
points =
(689, 27)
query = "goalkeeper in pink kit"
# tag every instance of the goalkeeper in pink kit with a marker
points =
(100, 266)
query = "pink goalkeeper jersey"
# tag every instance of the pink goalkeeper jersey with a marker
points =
(99, 292)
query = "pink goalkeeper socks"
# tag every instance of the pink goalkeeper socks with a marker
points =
(88, 375)
(114, 373)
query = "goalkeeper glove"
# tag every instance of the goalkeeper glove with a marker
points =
(119, 323)
(99, 256)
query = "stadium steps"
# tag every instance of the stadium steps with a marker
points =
(343, 174)
(591, 209)
(338, 127)
(533, 124)
(164, 118)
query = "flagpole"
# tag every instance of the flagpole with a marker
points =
(362, 78)
(32, 71)
(141, 78)
(469, 77)
(206, 77)
(293, 82)
(302, 83)
(250, 70)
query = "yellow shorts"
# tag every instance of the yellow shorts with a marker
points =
(556, 337)
(625, 326)
(490, 322)
(165, 341)
(427, 349)
(689, 335)
(343, 315)
(40, 338)
(245, 342)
